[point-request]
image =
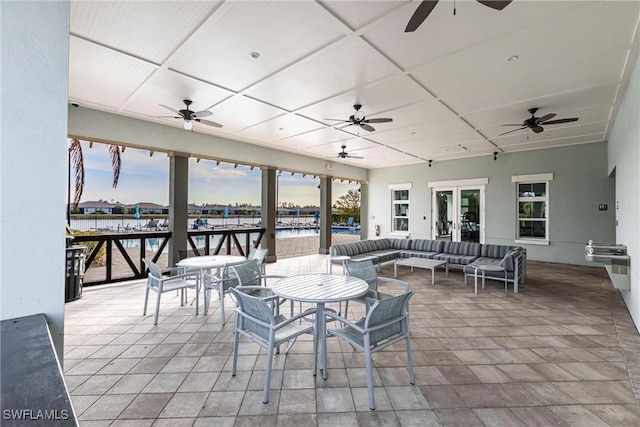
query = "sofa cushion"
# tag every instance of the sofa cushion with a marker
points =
(508, 262)
(462, 248)
(424, 245)
(470, 270)
(456, 259)
(417, 254)
(495, 251)
(401, 244)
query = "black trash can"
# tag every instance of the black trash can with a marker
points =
(74, 273)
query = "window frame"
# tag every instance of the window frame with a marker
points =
(545, 179)
(397, 202)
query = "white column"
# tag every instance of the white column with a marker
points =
(34, 38)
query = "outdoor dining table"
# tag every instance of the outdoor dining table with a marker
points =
(320, 289)
(207, 263)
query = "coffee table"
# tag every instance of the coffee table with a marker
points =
(430, 264)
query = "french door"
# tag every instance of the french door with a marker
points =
(458, 213)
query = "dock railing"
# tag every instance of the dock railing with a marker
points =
(116, 257)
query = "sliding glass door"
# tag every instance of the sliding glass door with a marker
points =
(458, 213)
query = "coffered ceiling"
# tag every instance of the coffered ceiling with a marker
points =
(447, 86)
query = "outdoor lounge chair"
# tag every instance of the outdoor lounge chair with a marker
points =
(257, 319)
(387, 322)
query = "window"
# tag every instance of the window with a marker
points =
(400, 208)
(532, 208)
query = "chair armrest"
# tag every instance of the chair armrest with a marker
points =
(343, 320)
(181, 276)
(398, 282)
(295, 318)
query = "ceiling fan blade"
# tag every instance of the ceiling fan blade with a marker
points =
(167, 117)
(203, 113)
(380, 120)
(557, 122)
(519, 124)
(537, 129)
(354, 156)
(515, 130)
(339, 120)
(367, 127)
(546, 117)
(208, 123)
(497, 5)
(171, 109)
(424, 9)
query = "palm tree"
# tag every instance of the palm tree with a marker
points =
(76, 162)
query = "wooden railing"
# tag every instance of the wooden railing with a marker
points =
(100, 247)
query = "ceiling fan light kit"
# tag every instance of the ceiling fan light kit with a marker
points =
(425, 8)
(359, 119)
(535, 123)
(189, 116)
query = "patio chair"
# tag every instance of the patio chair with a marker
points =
(367, 271)
(386, 323)
(158, 283)
(256, 320)
(245, 274)
(260, 256)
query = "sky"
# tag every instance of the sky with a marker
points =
(145, 178)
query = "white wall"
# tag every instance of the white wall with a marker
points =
(34, 75)
(580, 184)
(624, 162)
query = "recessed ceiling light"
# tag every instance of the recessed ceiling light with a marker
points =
(413, 133)
(255, 55)
(512, 58)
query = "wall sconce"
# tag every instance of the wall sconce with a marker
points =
(430, 162)
(495, 155)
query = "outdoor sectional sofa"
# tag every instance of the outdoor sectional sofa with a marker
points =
(466, 255)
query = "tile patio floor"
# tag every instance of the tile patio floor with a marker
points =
(561, 352)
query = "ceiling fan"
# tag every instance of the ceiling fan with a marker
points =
(425, 7)
(190, 116)
(358, 118)
(535, 123)
(344, 155)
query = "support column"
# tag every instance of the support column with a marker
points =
(178, 204)
(364, 211)
(325, 214)
(34, 39)
(268, 212)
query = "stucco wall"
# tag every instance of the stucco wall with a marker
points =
(35, 56)
(624, 163)
(580, 184)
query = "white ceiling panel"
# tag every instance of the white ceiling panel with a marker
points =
(103, 76)
(537, 145)
(341, 68)
(449, 130)
(446, 86)
(239, 112)
(565, 105)
(281, 32)
(566, 130)
(314, 138)
(281, 127)
(564, 77)
(582, 41)
(391, 93)
(356, 15)
(133, 27)
(443, 33)
(586, 116)
(353, 146)
(171, 88)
